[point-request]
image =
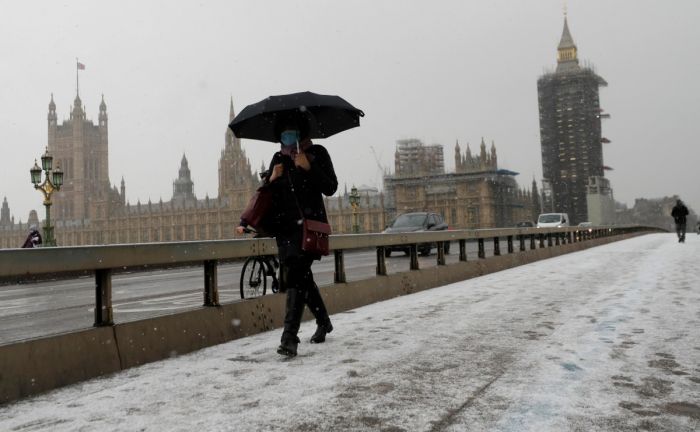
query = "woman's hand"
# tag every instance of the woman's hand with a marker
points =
(277, 172)
(240, 229)
(301, 161)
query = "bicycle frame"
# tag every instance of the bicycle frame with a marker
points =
(255, 272)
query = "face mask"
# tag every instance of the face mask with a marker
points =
(289, 137)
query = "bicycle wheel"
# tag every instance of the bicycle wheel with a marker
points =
(253, 280)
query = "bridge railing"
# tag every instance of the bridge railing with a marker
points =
(104, 260)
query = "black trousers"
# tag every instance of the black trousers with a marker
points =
(301, 290)
(680, 229)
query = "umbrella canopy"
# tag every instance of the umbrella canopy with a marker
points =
(325, 116)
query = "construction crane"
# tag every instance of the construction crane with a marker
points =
(381, 169)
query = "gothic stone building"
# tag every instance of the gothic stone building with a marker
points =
(570, 130)
(88, 211)
(477, 195)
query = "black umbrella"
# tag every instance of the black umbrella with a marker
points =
(325, 115)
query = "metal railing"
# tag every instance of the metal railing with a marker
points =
(103, 260)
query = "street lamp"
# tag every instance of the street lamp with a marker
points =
(52, 183)
(355, 203)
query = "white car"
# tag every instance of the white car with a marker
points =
(553, 220)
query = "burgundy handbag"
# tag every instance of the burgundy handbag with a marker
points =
(258, 207)
(315, 237)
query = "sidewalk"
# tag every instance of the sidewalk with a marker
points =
(604, 339)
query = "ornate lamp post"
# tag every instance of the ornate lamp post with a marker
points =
(355, 203)
(53, 182)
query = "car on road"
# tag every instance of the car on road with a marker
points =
(588, 225)
(416, 222)
(553, 220)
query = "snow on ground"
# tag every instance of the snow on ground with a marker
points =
(600, 340)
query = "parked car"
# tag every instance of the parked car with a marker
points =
(525, 224)
(415, 222)
(553, 220)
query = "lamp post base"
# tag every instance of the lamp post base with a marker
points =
(49, 240)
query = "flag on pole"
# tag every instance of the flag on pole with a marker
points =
(81, 66)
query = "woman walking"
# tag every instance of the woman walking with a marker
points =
(299, 175)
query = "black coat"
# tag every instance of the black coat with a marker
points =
(33, 240)
(305, 201)
(679, 212)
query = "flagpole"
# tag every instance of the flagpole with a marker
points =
(77, 85)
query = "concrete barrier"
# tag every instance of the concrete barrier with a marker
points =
(37, 365)
(166, 336)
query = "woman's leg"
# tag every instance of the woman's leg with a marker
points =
(317, 307)
(295, 284)
(313, 297)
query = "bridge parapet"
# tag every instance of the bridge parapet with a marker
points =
(103, 260)
(28, 262)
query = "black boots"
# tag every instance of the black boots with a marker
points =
(289, 344)
(288, 347)
(318, 308)
(292, 320)
(321, 331)
(296, 300)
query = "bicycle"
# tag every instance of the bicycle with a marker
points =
(255, 274)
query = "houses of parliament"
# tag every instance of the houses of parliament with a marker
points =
(89, 210)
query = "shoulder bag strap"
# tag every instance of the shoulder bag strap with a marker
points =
(291, 186)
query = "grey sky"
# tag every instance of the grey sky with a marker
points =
(438, 71)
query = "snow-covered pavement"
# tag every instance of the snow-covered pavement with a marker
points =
(604, 339)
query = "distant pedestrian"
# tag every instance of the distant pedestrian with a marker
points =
(33, 239)
(679, 213)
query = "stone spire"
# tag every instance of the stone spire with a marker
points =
(184, 167)
(5, 214)
(77, 112)
(567, 58)
(103, 112)
(122, 191)
(566, 40)
(183, 187)
(458, 158)
(231, 141)
(52, 112)
(236, 177)
(482, 154)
